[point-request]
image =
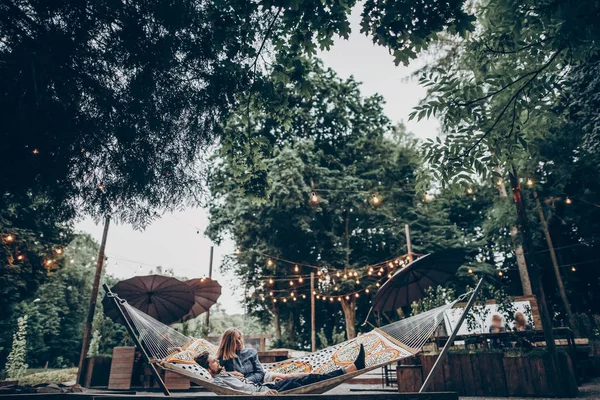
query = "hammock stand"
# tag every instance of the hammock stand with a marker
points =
(407, 336)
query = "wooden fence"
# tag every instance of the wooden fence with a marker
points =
(491, 374)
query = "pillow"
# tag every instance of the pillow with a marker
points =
(200, 345)
(196, 370)
(182, 357)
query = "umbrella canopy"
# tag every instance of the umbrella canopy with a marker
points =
(161, 297)
(409, 283)
(206, 293)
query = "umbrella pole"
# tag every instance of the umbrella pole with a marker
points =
(450, 340)
(137, 342)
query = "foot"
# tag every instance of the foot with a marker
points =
(359, 363)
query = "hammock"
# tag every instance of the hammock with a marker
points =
(383, 346)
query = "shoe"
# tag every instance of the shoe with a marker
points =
(359, 363)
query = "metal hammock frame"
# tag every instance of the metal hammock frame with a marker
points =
(158, 341)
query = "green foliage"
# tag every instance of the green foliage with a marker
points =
(336, 337)
(16, 365)
(434, 297)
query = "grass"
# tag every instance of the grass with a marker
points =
(49, 376)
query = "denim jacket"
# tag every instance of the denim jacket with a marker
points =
(246, 363)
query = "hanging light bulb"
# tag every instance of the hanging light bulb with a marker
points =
(370, 269)
(381, 269)
(271, 281)
(303, 296)
(36, 151)
(338, 274)
(573, 269)
(357, 281)
(389, 276)
(271, 294)
(318, 297)
(9, 238)
(294, 298)
(377, 284)
(356, 295)
(284, 300)
(331, 299)
(48, 262)
(367, 290)
(314, 292)
(500, 273)
(270, 262)
(238, 251)
(58, 251)
(20, 257)
(300, 280)
(529, 182)
(568, 201)
(470, 271)
(347, 297)
(296, 268)
(428, 197)
(314, 198)
(469, 191)
(375, 200)
(319, 272)
(345, 276)
(339, 299)
(274, 300)
(291, 283)
(391, 265)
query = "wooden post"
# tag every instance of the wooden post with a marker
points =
(559, 281)
(87, 329)
(210, 264)
(313, 327)
(136, 340)
(408, 243)
(442, 355)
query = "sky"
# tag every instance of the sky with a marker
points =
(174, 242)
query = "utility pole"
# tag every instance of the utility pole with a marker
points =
(210, 264)
(559, 281)
(313, 326)
(408, 243)
(90, 317)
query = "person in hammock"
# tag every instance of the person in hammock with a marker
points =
(227, 380)
(242, 362)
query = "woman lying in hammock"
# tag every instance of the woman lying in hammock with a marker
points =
(227, 380)
(243, 362)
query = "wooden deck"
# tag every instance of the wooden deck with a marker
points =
(192, 396)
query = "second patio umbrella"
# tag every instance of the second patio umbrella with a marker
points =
(206, 293)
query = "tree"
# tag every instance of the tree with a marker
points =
(15, 364)
(351, 155)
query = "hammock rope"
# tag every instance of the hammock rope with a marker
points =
(407, 336)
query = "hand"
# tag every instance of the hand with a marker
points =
(278, 378)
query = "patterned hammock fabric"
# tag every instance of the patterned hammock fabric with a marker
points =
(382, 345)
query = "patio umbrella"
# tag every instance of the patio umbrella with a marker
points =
(161, 297)
(206, 293)
(409, 283)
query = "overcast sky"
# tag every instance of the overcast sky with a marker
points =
(173, 241)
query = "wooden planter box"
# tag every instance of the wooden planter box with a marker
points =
(491, 374)
(96, 371)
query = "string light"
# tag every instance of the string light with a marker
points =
(20, 257)
(314, 198)
(345, 276)
(470, 271)
(338, 274)
(71, 261)
(58, 251)
(367, 290)
(303, 296)
(391, 265)
(469, 191)
(568, 201)
(500, 273)
(428, 197)
(347, 297)
(573, 269)
(36, 151)
(377, 284)
(529, 182)
(270, 262)
(314, 292)
(318, 297)
(331, 299)
(271, 281)
(356, 295)
(284, 300)
(238, 251)
(9, 238)
(300, 280)
(274, 300)
(101, 187)
(291, 283)
(296, 268)
(375, 200)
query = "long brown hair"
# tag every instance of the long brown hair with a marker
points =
(228, 346)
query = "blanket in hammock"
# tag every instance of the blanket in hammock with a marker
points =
(379, 349)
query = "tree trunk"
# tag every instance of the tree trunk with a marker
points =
(521, 263)
(349, 308)
(533, 269)
(292, 327)
(559, 281)
(277, 322)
